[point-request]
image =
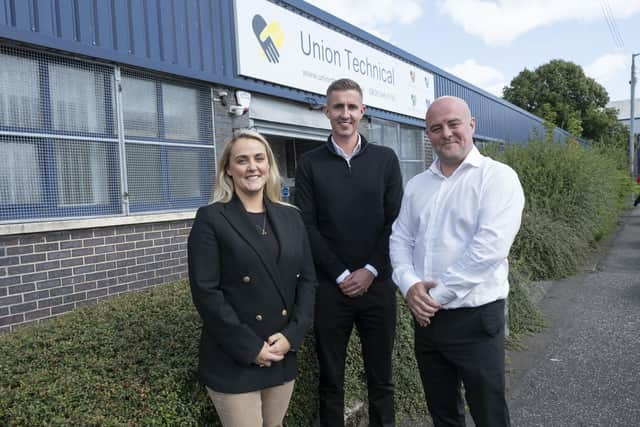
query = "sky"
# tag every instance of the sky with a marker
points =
(488, 42)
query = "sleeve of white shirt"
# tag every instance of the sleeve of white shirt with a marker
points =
(401, 244)
(372, 269)
(343, 276)
(499, 216)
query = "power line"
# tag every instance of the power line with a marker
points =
(611, 23)
(614, 22)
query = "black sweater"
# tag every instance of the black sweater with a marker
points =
(348, 210)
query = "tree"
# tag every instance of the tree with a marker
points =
(562, 94)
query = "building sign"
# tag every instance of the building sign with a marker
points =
(279, 46)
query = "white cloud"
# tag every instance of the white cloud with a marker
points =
(374, 16)
(501, 21)
(613, 71)
(488, 78)
(607, 65)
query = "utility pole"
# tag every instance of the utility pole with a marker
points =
(632, 115)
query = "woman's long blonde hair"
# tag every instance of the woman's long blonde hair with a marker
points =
(223, 191)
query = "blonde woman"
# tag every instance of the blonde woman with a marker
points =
(253, 283)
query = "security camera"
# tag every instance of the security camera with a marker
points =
(237, 110)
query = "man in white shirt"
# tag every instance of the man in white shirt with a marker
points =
(448, 249)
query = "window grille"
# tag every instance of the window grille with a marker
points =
(19, 173)
(58, 147)
(19, 92)
(61, 142)
(139, 106)
(169, 146)
(407, 142)
(78, 99)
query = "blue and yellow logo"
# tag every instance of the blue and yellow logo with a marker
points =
(270, 37)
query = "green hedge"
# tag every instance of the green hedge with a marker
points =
(573, 198)
(128, 361)
(132, 360)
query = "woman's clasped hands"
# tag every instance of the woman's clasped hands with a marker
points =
(273, 350)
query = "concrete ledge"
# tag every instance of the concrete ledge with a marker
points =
(109, 221)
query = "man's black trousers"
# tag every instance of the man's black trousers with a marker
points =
(464, 345)
(374, 315)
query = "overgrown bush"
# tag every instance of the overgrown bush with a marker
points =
(573, 197)
(524, 317)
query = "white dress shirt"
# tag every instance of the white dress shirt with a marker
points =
(345, 156)
(457, 231)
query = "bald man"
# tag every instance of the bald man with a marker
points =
(449, 248)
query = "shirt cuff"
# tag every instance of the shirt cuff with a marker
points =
(372, 269)
(442, 294)
(405, 281)
(343, 276)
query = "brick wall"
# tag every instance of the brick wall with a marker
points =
(46, 274)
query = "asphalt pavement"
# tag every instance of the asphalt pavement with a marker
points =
(584, 369)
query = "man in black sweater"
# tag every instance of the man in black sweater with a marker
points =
(349, 192)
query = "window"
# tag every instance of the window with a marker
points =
(58, 149)
(82, 173)
(78, 99)
(184, 173)
(180, 107)
(19, 92)
(19, 109)
(60, 140)
(143, 176)
(406, 141)
(19, 173)
(139, 104)
(168, 143)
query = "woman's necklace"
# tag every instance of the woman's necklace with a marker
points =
(263, 231)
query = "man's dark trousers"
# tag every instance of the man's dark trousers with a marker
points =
(464, 345)
(374, 315)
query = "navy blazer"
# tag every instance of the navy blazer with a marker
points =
(244, 293)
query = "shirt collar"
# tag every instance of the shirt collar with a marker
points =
(341, 152)
(473, 159)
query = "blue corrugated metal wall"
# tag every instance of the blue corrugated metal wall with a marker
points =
(183, 37)
(195, 39)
